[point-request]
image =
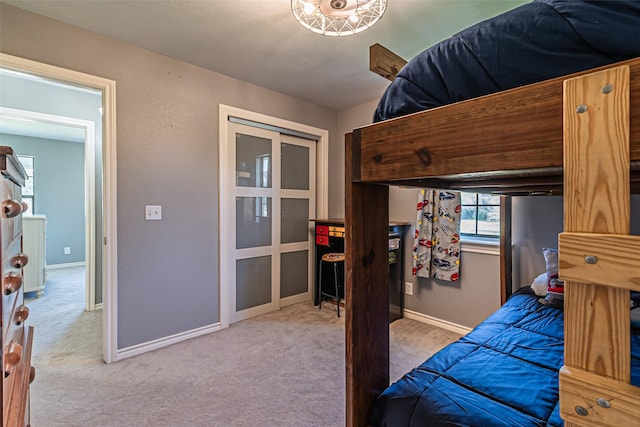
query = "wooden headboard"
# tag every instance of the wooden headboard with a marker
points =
(578, 133)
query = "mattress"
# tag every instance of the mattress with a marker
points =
(537, 41)
(503, 373)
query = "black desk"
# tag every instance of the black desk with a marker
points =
(329, 235)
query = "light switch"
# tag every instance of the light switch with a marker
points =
(152, 212)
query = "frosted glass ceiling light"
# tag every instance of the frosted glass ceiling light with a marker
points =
(338, 17)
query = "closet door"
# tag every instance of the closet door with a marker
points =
(273, 196)
(297, 207)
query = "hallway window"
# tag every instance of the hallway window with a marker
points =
(28, 193)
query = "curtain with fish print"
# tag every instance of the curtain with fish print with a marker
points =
(436, 249)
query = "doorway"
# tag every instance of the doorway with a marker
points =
(106, 239)
(23, 124)
(272, 184)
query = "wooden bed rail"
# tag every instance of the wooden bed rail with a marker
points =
(598, 268)
(511, 134)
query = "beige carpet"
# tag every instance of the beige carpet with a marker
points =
(282, 369)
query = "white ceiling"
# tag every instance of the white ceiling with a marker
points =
(258, 41)
(39, 129)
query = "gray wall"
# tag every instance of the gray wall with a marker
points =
(61, 100)
(536, 224)
(465, 303)
(59, 193)
(167, 154)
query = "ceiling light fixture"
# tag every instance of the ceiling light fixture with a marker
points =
(338, 17)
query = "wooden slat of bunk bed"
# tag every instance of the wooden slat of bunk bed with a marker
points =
(618, 259)
(517, 131)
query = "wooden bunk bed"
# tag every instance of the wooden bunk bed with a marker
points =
(578, 135)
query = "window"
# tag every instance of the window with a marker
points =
(263, 176)
(480, 215)
(29, 186)
(264, 173)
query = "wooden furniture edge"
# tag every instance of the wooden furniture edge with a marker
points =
(18, 390)
(11, 166)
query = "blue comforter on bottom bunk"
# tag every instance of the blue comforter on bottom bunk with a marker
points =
(503, 373)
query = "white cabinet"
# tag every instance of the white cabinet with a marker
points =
(34, 241)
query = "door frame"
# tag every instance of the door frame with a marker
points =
(109, 207)
(322, 186)
(89, 188)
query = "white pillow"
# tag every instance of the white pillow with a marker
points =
(540, 285)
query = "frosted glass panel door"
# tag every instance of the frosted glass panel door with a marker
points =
(273, 198)
(297, 206)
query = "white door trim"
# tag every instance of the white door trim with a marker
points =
(109, 211)
(322, 186)
(89, 188)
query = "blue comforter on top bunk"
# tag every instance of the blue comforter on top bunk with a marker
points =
(503, 373)
(535, 42)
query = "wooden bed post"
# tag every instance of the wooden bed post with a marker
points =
(367, 288)
(506, 250)
(594, 383)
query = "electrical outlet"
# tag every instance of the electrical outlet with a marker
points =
(67, 250)
(152, 213)
(408, 288)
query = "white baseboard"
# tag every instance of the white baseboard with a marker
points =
(138, 349)
(295, 299)
(444, 324)
(69, 264)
